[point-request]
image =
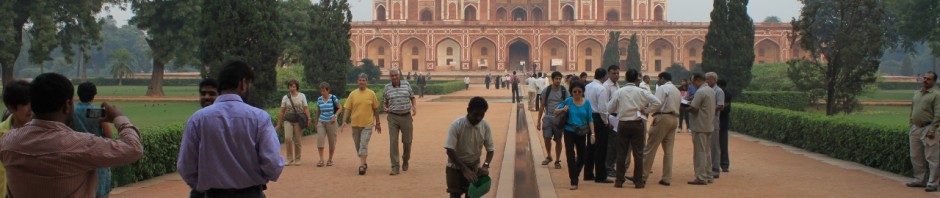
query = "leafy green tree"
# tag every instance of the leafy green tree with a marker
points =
(368, 67)
(326, 49)
(295, 21)
(51, 24)
(633, 55)
(612, 51)
(247, 31)
(848, 36)
(771, 77)
(729, 44)
(772, 19)
(808, 76)
(918, 23)
(171, 27)
(121, 65)
(678, 72)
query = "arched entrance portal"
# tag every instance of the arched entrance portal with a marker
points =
(518, 52)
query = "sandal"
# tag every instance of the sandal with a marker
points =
(546, 161)
(362, 169)
(558, 164)
(320, 164)
(329, 163)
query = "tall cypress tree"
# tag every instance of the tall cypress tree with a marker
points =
(729, 44)
(633, 55)
(247, 31)
(327, 51)
(612, 51)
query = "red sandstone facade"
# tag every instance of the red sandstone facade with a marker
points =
(547, 35)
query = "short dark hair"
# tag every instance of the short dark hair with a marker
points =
(632, 75)
(49, 92)
(722, 83)
(478, 103)
(583, 75)
(16, 93)
(87, 91)
(612, 67)
(209, 82)
(294, 82)
(556, 74)
(698, 76)
(513, 72)
(931, 72)
(600, 73)
(665, 76)
(233, 73)
(576, 84)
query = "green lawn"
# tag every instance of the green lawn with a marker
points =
(142, 90)
(882, 115)
(888, 95)
(146, 114)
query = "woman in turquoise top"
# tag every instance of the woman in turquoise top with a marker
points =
(579, 116)
(82, 123)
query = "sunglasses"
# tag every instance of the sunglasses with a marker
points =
(577, 91)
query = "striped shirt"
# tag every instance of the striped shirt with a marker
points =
(326, 107)
(398, 99)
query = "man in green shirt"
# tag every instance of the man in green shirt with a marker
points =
(925, 152)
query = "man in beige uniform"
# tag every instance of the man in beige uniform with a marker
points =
(702, 109)
(663, 131)
(925, 116)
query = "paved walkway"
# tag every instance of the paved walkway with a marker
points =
(758, 168)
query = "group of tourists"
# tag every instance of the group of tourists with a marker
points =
(603, 123)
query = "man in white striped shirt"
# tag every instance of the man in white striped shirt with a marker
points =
(597, 150)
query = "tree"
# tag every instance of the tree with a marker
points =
(907, 68)
(846, 39)
(918, 23)
(633, 55)
(326, 49)
(612, 51)
(51, 24)
(772, 19)
(295, 21)
(729, 45)
(807, 76)
(170, 26)
(678, 72)
(368, 67)
(246, 31)
(121, 64)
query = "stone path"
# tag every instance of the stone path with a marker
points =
(758, 168)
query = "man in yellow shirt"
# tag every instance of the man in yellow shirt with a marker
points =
(363, 106)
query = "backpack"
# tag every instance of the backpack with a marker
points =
(548, 92)
(333, 100)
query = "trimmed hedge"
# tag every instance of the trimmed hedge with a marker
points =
(791, 100)
(877, 146)
(899, 85)
(161, 148)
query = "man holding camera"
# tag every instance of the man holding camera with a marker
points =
(46, 158)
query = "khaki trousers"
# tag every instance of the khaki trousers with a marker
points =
(531, 104)
(361, 136)
(925, 155)
(292, 135)
(702, 145)
(400, 124)
(663, 132)
(326, 131)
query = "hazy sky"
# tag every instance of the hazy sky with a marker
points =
(678, 10)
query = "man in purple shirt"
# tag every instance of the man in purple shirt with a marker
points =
(230, 149)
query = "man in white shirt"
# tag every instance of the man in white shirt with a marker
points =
(466, 82)
(712, 79)
(597, 151)
(645, 83)
(663, 131)
(613, 75)
(631, 104)
(532, 87)
(541, 84)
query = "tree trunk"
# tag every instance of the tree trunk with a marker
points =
(7, 64)
(156, 79)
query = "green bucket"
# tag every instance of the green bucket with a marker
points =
(480, 187)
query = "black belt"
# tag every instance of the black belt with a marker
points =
(238, 191)
(660, 113)
(639, 121)
(399, 114)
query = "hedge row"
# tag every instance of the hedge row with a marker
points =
(899, 85)
(791, 100)
(881, 147)
(161, 148)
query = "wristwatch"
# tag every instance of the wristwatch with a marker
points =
(486, 164)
